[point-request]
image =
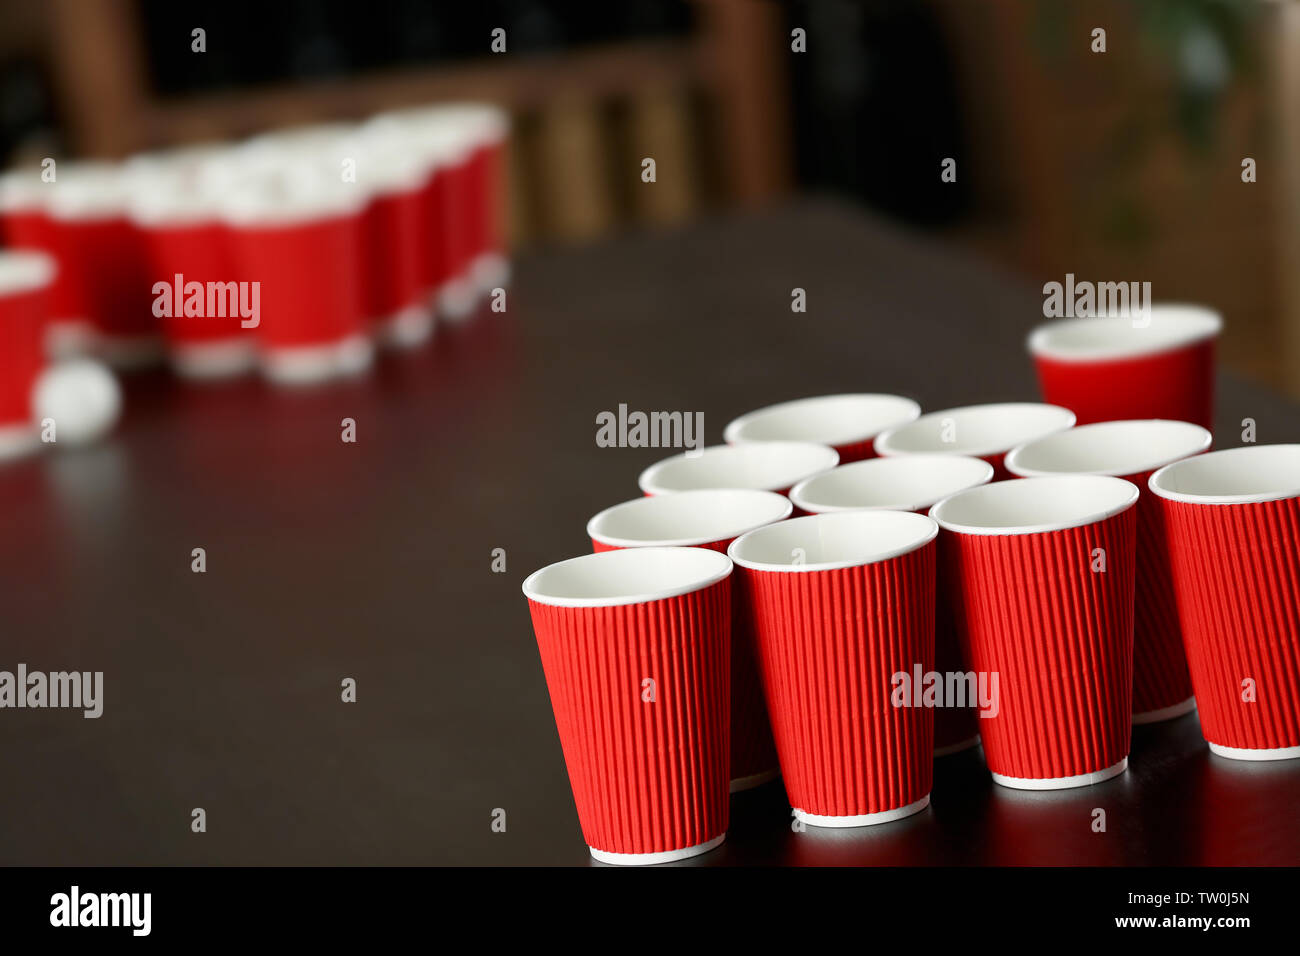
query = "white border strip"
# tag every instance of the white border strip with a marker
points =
(652, 859)
(1062, 783)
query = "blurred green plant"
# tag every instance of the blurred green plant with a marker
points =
(1202, 45)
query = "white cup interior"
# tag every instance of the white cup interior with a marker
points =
(440, 135)
(23, 189)
(767, 466)
(1234, 476)
(1034, 505)
(826, 419)
(296, 192)
(1164, 328)
(630, 576)
(687, 518)
(89, 190)
(24, 271)
(905, 483)
(847, 539)
(976, 430)
(1109, 448)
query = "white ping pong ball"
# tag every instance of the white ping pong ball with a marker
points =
(81, 397)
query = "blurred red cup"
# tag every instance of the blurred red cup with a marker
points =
(296, 231)
(1155, 364)
(842, 605)
(710, 518)
(444, 141)
(847, 423)
(25, 224)
(1041, 575)
(393, 239)
(1133, 450)
(25, 281)
(909, 483)
(106, 262)
(1232, 525)
(978, 431)
(763, 466)
(391, 180)
(488, 128)
(199, 295)
(635, 644)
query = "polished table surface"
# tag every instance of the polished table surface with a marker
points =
(373, 561)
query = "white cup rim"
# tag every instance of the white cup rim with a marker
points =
(714, 514)
(439, 134)
(1054, 503)
(25, 270)
(89, 190)
(765, 466)
(280, 199)
(23, 190)
(1259, 472)
(1173, 326)
(633, 576)
(1131, 447)
(895, 533)
(1038, 419)
(840, 419)
(960, 471)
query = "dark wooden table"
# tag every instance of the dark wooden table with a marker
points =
(373, 561)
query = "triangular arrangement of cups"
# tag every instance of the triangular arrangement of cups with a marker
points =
(1035, 578)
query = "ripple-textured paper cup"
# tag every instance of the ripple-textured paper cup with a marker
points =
(25, 223)
(104, 262)
(297, 232)
(1041, 575)
(842, 605)
(710, 518)
(1157, 364)
(1232, 524)
(392, 239)
(977, 431)
(763, 466)
(635, 644)
(908, 483)
(446, 138)
(189, 263)
(25, 281)
(847, 423)
(1132, 450)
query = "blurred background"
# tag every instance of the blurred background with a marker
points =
(1117, 166)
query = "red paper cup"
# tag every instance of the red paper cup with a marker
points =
(909, 483)
(710, 518)
(25, 224)
(445, 142)
(1090, 365)
(105, 261)
(978, 431)
(391, 179)
(1232, 525)
(763, 466)
(847, 423)
(1034, 615)
(491, 266)
(393, 240)
(297, 232)
(25, 281)
(199, 296)
(842, 605)
(1133, 450)
(635, 645)
(487, 129)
